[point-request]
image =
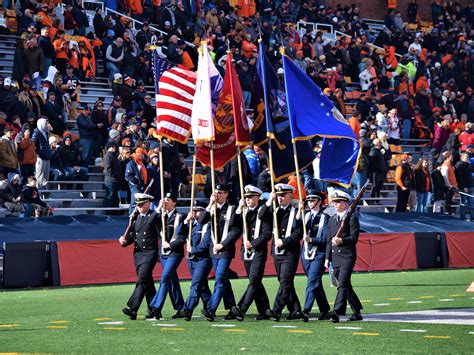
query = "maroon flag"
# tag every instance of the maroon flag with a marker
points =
(241, 126)
(225, 132)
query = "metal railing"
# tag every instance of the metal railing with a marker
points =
(315, 27)
(136, 22)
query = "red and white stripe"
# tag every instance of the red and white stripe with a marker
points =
(174, 104)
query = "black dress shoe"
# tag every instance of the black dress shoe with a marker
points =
(294, 316)
(262, 317)
(177, 315)
(323, 316)
(333, 317)
(272, 315)
(355, 317)
(130, 313)
(237, 313)
(185, 314)
(208, 314)
(229, 316)
(305, 317)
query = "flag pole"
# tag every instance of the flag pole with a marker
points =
(300, 193)
(239, 165)
(193, 179)
(213, 183)
(298, 177)
(276, 235)
(162, 191)
(244, 210)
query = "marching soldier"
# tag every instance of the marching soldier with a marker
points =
(254, 254)
(199, 262)
(342, 252)
(171, 255)
(286, 251)
(144, 236)
(313, 257)
(222, 249)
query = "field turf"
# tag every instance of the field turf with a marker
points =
(69, 320)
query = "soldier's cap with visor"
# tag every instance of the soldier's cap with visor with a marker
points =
(339, 195)
(251, 190)
(314, 195)
(282, 189)
(141, 198)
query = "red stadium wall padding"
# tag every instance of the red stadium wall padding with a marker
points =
(391, 251)
(105, 261)
(460, 249)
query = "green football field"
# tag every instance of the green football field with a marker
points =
(89, 319)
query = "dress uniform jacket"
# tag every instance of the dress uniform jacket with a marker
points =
(233, 233)
(144, 236)
(344, 254)
(312, 227)
(260, 241)
(343, 258)
(200, 241)
(291, 244)
(175, 238)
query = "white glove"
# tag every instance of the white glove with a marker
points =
(35, 75)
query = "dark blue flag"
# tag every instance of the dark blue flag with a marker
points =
(312, 113)
(271, 118)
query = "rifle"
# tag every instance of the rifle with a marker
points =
(134, 216)
(350, 211)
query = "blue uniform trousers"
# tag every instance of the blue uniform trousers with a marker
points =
(314, 270)
(222, 286)
(169, 283)
(199, 269)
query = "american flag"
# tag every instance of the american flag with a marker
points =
(174, 104)
(160, 65)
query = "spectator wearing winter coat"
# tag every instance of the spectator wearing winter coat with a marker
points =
(441, 135)
(49, 52)
(89, 133)
(26, 152)
(136, 175)
(8, 153)
(43, 151)
(31, 196)
(71, 160)
(55, 164)
(439, 189)
(34, 59)
(53, 111)
(254, 163)
(113, 175)
(464, 171)
(422, 185)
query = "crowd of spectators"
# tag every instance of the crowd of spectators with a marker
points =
(410, 81)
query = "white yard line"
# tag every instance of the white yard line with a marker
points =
(111, 323)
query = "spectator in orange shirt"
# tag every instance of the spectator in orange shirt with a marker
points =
(248, 46)
(355, 123)
(61, 46)
(187, 61)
